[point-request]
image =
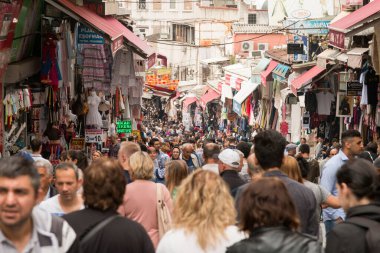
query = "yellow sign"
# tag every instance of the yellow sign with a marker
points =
(77, 144)
(137, 134)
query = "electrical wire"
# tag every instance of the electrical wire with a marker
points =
(227, 43)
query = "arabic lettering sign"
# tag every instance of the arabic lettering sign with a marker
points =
(124, 126)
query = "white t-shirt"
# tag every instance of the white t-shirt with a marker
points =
(211, 167)
(53, 207)
(324, 102)
(177, 240)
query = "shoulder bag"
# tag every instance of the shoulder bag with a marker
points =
(163, 215)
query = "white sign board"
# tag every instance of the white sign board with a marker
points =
(93, 135)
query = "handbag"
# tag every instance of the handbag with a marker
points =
(163, 215)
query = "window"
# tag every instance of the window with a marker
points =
(142, 4)
(252, 19)
(184, 33)
(172, 4)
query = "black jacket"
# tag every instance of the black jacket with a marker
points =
(276, 240)
(233, 180)
(347, 237)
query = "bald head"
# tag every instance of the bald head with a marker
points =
(127, 149)
(187, 150)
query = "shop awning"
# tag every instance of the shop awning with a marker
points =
(329, 54)
(267, 72)
(305, 77)
(261, 66)
(214, 60)
(281, 70)
(188, 101)
(108, 26)
(233, 81)
(245, 91)
(353, 23)
(177, 95)
(226, 92)
(208, 97)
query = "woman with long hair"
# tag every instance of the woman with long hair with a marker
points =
(140, 199)
(268, 215)
(291, 168)
(358, 192)
(203, 218)
(176, 171)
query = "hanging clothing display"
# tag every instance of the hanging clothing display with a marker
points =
(93, 116)
(50, 73)
(324, 100)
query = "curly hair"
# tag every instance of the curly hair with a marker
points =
(207, 193)
(104, 185)
(266, 203)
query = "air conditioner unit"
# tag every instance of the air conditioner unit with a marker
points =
(247, 46)
(164, 36)
(263, 46)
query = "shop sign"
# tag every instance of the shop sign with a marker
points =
(294, 48)
(336, 39)
(308, 27)
(304, 56)
(87, 36)
(352, 2)
(354, 88)
(93, 135)
(124, 126)
(236, 107)
(77, 144)
(301, 14)
(137, 134)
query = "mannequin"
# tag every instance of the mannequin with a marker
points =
(93, 117)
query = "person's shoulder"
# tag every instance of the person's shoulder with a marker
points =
(49, 201)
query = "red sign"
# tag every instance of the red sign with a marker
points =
(117, 44)
(336, 39)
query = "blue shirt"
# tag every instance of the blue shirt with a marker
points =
(328, 181)
(162, 158)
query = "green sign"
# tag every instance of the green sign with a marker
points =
(124, 126)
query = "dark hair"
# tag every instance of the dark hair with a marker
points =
(143, 147)
(371, 147)
(304, 166)
(244, 148)
(304, 149)
(266, 203)
(365, 155)
(361, 177)
(231, 139)
(376, 163)
(269, 149)
(350, 134)
(328, 151)
(152, 141)
(80, 156)
(104, 185)
(16, 166)
(211, 151)
(35, 144)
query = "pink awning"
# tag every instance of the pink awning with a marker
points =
(208, 97)
(189, 101)
(308, 75)
(111, 27)
(267, 72)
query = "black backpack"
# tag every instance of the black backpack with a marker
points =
(372, 234)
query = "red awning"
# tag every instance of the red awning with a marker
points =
(177, 95)
(353, 23)
(189, 101)
(130, 36)
(267, 72)
(308, 75)
(111, 27)
(233, 81)
(208, 97)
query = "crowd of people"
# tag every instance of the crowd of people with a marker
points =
(180, 191)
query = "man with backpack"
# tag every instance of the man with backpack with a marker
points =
(23, 226)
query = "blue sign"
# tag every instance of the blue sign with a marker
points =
(87, 36)
(311, 26)
(236, 107)
(305, 41)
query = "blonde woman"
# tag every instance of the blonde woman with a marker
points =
(203, 217)
(291, 168)
(140, 198)
(176, 171)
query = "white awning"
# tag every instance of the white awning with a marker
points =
(226, 92)
(329, 54)
(357, 51)
(246, 89)
(342, 57)
(214, 60)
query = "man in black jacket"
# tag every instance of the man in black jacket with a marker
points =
(269, 154)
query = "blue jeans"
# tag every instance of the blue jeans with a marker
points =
(329, 224)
